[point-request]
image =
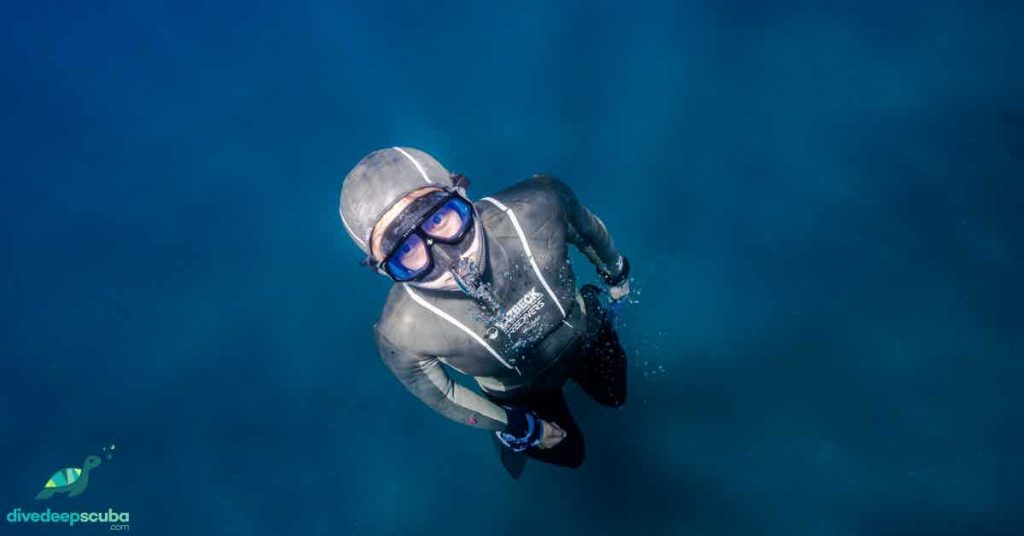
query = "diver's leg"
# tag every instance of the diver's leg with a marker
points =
(551, 406)
(601, 371)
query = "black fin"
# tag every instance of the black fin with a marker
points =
(513, 462)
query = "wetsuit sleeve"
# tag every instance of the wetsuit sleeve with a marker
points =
(427, 378)
(586, 231)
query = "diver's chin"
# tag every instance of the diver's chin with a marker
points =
(446, 279)
(443, 282)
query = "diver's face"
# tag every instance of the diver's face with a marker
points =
(390, 216)
(471, 247)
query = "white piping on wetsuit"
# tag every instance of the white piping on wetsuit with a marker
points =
(457, 324)
(529, 254)
(415, 163)
(349, 229)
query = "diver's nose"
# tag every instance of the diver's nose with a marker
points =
(444, 256)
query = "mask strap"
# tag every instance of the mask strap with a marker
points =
(369, 262)
(460, 181)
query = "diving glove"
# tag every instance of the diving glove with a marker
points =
(618, 282)
(524, 429)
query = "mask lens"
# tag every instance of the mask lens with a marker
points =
(410, 260)
(449, 222)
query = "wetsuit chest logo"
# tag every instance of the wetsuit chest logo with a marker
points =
(521, 317)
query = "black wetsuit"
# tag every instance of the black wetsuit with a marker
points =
(545, 332)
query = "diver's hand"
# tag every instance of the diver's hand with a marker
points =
(551, 436)
(618, 283)
(525, 429)
(619, 291)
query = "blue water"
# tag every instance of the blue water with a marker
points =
(822, 206)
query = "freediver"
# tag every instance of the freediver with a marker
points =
(486, 288)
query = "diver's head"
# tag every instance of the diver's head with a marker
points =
(411, 217)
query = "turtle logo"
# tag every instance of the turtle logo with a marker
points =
(70, 480)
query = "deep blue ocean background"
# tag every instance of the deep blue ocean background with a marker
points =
(822, 205)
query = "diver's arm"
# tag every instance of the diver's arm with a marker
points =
(585, 230)
(426, 377)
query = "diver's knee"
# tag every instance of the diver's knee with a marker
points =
(611, 400)
(577, 460)
(617, 402)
